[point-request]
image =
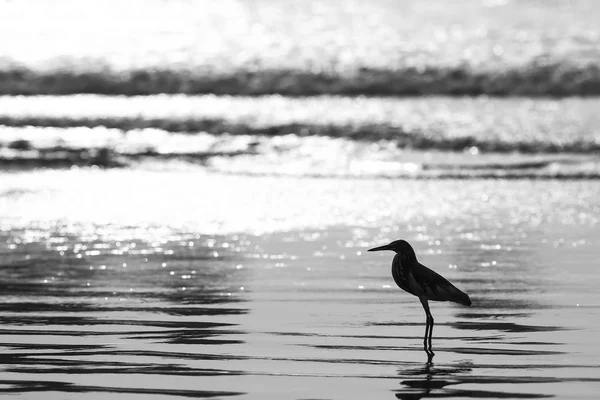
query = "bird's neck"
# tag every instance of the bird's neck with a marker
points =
(406, 259)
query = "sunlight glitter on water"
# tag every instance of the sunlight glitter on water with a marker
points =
(320, 136)
(175, 290)
(215, 203)
(317, 35)
(504, 123)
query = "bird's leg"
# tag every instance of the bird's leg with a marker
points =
(428, 328)
(426, 335)
(429, 359)
(430, 333)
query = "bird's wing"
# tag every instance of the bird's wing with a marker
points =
(436, 287)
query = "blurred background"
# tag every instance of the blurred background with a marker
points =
(188, 188)
(265, 87)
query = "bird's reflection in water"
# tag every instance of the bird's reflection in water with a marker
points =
(437, 381)
(423, 380)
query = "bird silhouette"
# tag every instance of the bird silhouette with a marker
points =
(418, 280)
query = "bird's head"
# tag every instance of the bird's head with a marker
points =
(402, 247)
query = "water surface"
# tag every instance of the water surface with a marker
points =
(159, 290)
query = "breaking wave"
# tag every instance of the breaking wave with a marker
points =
(285, 155)
(325, 136)
(535, 79)
(428, 123)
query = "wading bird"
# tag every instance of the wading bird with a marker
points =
(418, 280)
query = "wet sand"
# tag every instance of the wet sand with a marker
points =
(260, 287)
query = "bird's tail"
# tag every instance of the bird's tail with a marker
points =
(461, 298)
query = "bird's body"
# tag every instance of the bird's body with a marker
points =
(418, 280)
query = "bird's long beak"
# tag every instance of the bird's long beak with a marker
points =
(380, 248)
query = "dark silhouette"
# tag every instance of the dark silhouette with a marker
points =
(418, 280)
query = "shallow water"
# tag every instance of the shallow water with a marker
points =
(260, 287)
